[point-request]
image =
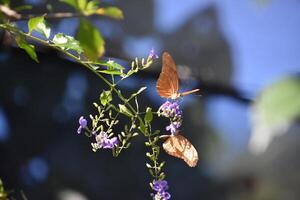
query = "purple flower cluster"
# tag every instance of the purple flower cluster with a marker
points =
(172, 111)
(152, 54)
(161, 187)
(82, 124)
(104, 142)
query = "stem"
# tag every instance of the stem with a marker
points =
(58, 15)
(87, 65)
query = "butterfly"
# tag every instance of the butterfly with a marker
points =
(178, 146)
(168, 85)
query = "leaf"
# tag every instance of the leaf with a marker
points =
(113, 65)
(142, 127)
(111, 11)
(81, 4)
(123, 109)
(90, 40)
(279, 102)
(162, 176)
(113, 68)
(105, 97)
(111, 72)
(138, 92)
(91, 7)
(148, 117)
(67, 42)
(29, 48)
(148, 165)
(5, 2)
(39, 24)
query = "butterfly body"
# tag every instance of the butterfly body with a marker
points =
(168, 84)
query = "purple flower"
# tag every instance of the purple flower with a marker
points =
(82, 124)
(106, 143)
(160, 187)
(110, 143)
(172, 111)
(152, 54)
(173, 127)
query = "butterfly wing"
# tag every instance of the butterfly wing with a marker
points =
(178, 146)
(167, 83)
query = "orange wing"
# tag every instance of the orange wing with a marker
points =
(180, 147)
(167, 85)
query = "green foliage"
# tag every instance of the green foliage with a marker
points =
(149, 116)
(105, 97)
(91, 43)
(280, 102)
(3, 194)
(38, 24)
(29, 48)
(5, 2)
(93, 8)
(81, 4)
(142, 127)
(137, 93)
(124, 110)
(155, 169)
(90, 40)
(111, 11)
(66, 42)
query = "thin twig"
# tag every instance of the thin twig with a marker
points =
(58, 15)
(15, 16)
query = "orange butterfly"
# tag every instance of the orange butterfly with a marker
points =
(178, 146)
(167, 87)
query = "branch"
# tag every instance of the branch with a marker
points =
(58, 15)
(15, 16)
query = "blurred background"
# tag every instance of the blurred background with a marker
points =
(243, 55)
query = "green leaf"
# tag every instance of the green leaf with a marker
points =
(148, 117)
(148, 165)
(162, 176)
(111, 11)
(67, 42)
(113, 65)
(156, 132)
(105, 97)
(38, 24)
(81, 4)
(90, 40)
(5, 2)
(142, 127)
(91, 7)
(123, 109)
(111, 72)
(138, 92)
(151, 172)
(279, 103)
(29, 48)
